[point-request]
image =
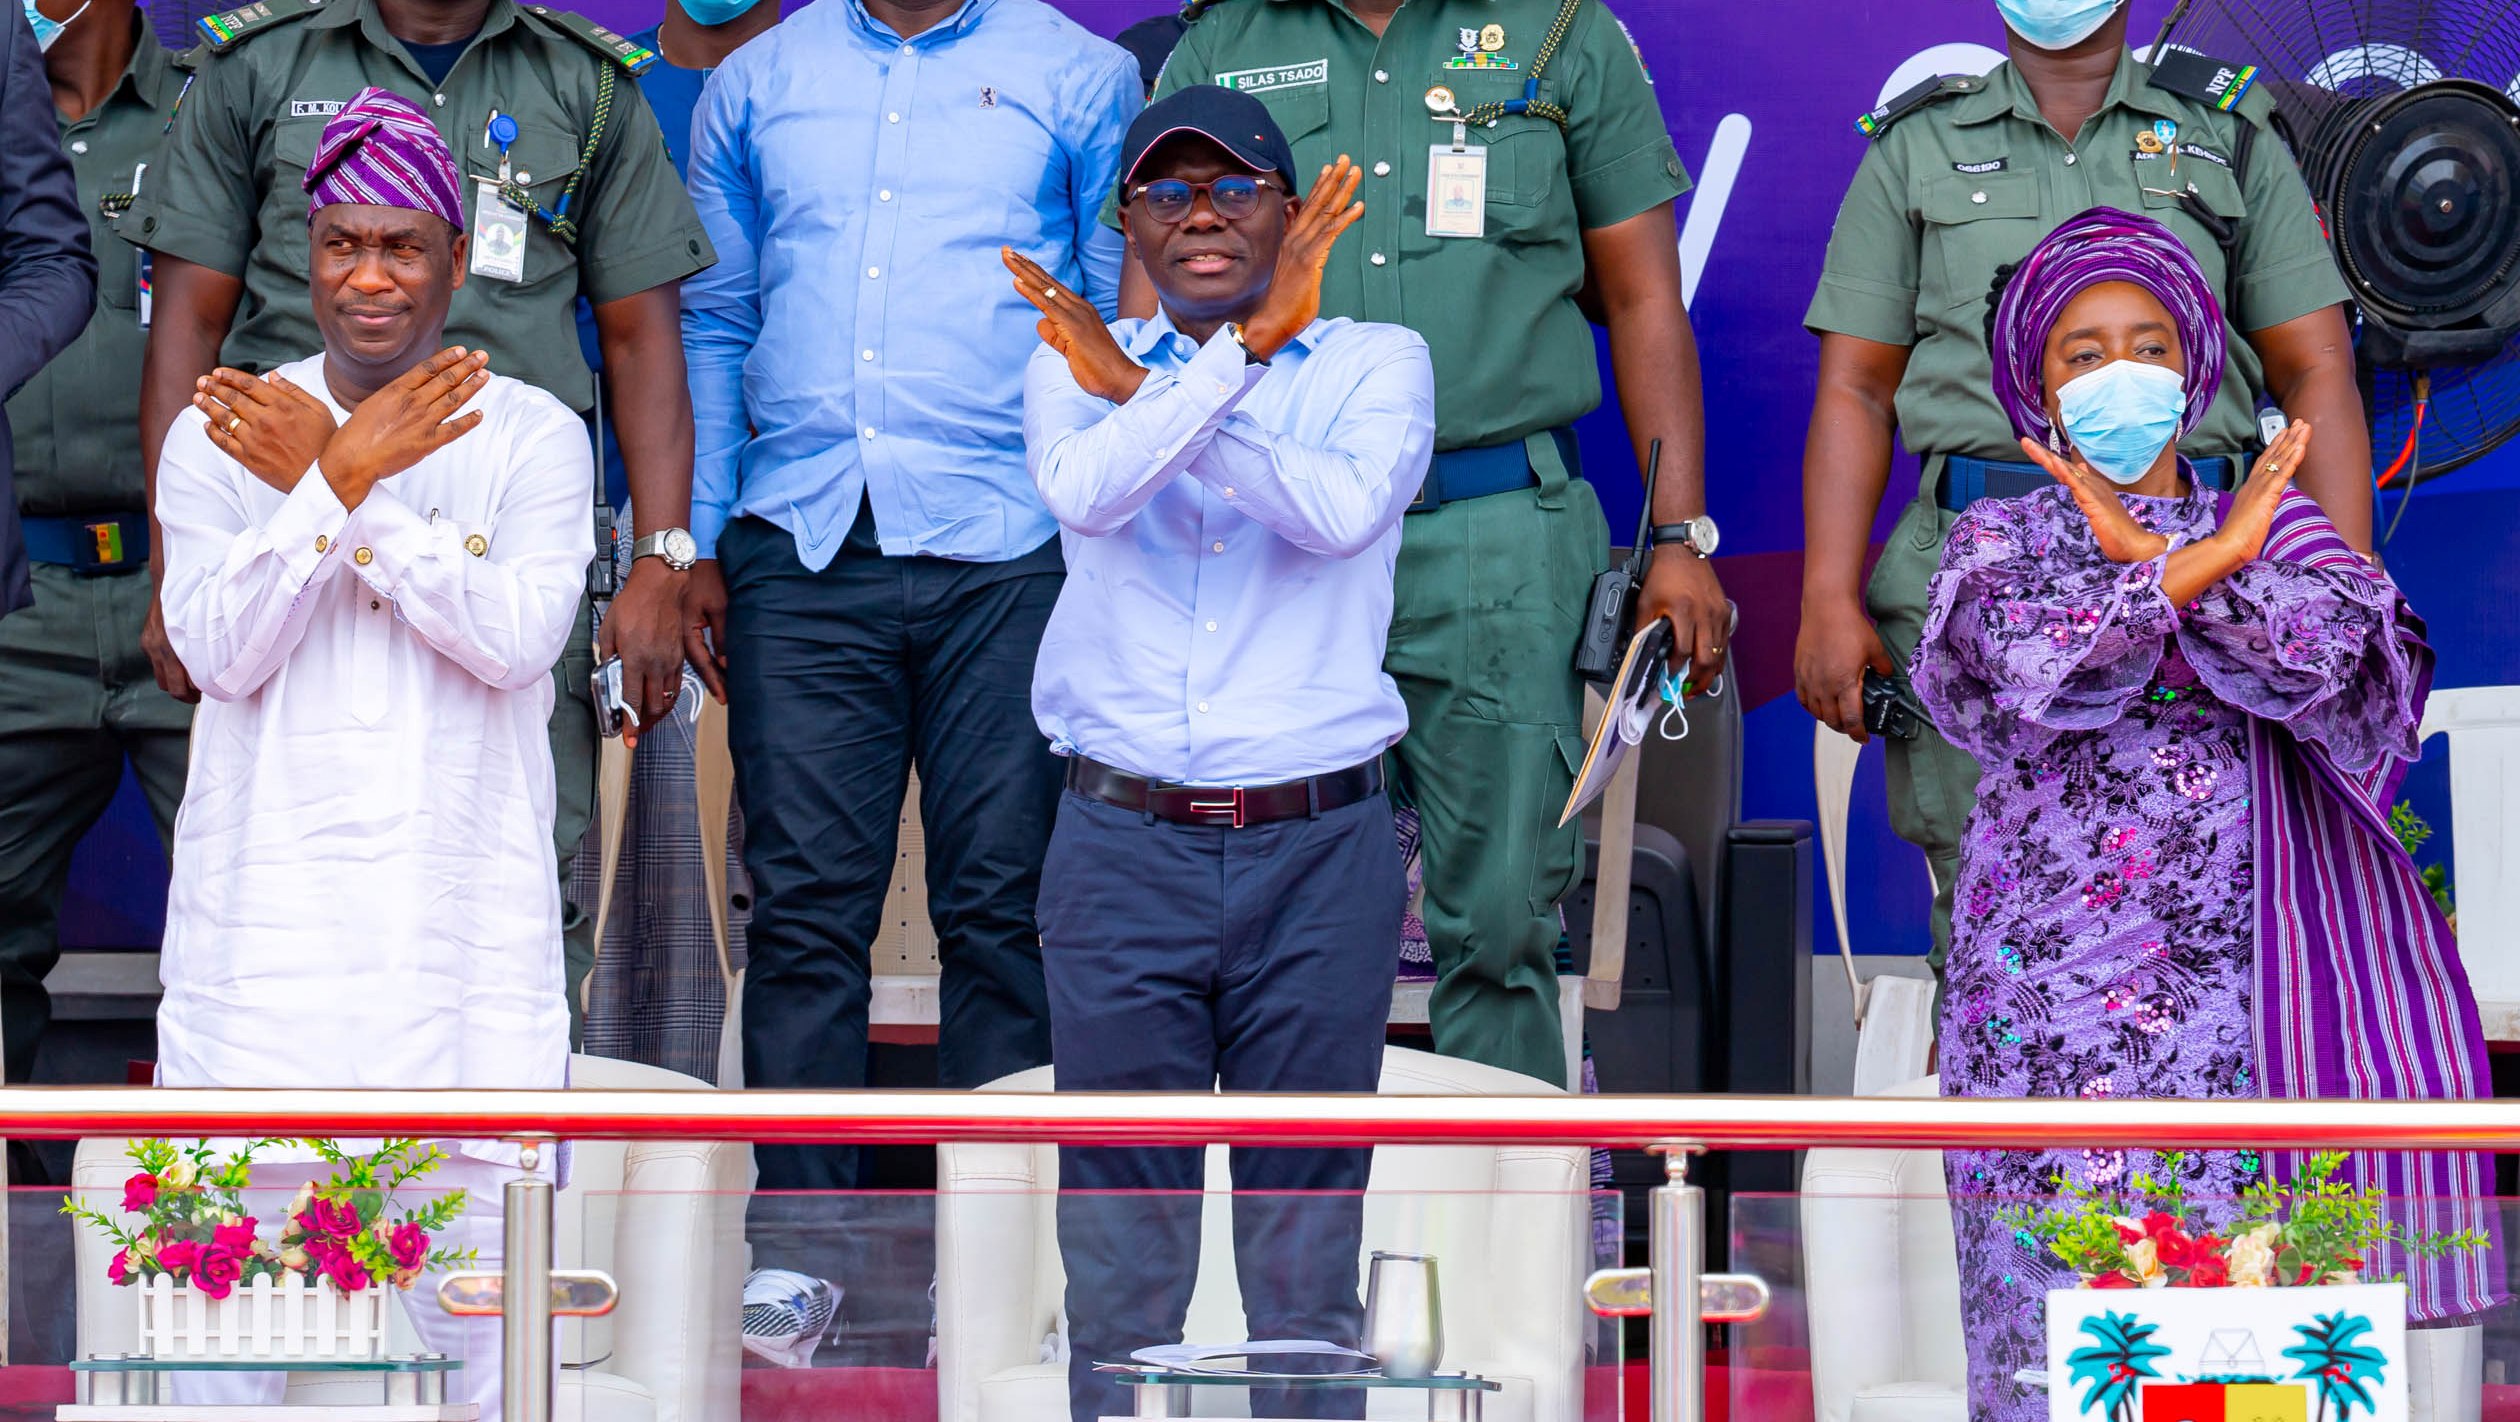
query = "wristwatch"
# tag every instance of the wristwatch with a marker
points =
(1697, 534)
(1234, 329)
(674, 545)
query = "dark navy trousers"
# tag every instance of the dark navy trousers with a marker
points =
(838, 681)
(1181, 958)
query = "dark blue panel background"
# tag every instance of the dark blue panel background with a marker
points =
(1798, 71)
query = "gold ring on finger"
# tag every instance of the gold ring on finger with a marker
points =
(233, 422)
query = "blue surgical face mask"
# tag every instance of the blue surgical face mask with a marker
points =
(715, 12)
(47, 29)
(2056, 24)
(2122, 416)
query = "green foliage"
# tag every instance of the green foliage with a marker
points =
(2413, 833)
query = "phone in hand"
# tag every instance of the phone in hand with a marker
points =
(1886, 712)
(611, 707)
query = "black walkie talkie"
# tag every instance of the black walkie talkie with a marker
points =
(1613, 607)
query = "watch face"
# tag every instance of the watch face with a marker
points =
(679, 546)
(1703, 537)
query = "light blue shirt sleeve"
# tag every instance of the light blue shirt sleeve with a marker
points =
(721, 307)
(1112, 103)
(1096, 463)
(1336, 497)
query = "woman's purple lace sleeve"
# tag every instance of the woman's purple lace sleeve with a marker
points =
(2310, 635)
(2030, 631)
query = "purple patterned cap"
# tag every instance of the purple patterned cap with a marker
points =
(2088, 249)
(381, 150)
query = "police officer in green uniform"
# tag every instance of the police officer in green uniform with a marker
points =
(76, 696)
(567, 191)
(1518, 179)
(1963, 176)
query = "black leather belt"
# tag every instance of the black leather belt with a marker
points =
(1229, 806)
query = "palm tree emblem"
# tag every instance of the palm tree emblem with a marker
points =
(2337, 1363)
(2115, 1363)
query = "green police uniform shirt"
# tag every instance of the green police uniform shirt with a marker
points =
(232, 195)
(78, 447)
(1974, 177)
(1512, 353)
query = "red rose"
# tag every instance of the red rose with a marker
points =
(408, 1244)
(2112, 1280)
(2158, 1224)
(216, 1271)
(2127, 1234)
(236, 1239)
(177, 1255)
(2209, 1273)
(2175, 1250)
(139, 1193)
(119, 1270)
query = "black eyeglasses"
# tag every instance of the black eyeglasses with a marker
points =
(1234, 198)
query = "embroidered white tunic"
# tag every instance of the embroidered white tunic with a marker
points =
(364, 893)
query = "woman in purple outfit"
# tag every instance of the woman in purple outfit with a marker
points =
(2191, 710)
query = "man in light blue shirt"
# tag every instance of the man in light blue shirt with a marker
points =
(1223, 895)
(876, 567)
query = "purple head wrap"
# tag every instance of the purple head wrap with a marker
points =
(381, 150)
(2101, 245)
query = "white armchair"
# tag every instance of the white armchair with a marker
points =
(1881, 1280)
(1509, 1226)
(664, 1218)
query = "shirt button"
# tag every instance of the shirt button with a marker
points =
(439, 99)
(1211, 627)
(874, 272)
(78, 146)
(1222, 387)
(1382, 76)
(1977, 197)
(322, 543)
(2069, 160)
(892, 118)
(363, 557)
(883, 195)
(1217, 547)
(1382, 170)
(1229, 493)
(375, 606)
(866, 355)
(1202, 706)
(868, 432)
(1376, 259)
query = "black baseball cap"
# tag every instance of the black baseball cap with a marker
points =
(1235, 122)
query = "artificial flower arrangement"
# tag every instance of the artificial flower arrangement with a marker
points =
(348, 1231)
(2313, 1231)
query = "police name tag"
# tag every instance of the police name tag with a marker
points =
(1456, 191)
(498, 236)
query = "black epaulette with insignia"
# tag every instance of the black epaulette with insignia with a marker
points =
(2215, 83)
(1899, 106)
(636, 58)
(225, 30)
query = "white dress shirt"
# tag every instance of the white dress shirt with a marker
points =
(1230, 534)
(364, 893)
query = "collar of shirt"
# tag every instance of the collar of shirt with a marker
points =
(1158, 336)
(371, 22)
(884, 36)
(2006, 92)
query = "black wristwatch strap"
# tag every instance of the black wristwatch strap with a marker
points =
(1663, 533)
(1250, 356)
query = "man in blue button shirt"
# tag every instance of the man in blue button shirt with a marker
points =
(856, 368)
(1223, 896)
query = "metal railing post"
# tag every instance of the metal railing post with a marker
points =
(1676, 1255)
(525, 1381)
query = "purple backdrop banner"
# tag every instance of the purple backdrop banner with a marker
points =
(1761, 100)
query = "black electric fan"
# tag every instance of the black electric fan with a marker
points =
(2405, 115)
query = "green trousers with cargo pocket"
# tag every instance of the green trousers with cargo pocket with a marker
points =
(1490, 597)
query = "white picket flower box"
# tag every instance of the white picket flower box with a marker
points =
(283, 1320)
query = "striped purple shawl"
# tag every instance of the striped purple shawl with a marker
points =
(2360, 993)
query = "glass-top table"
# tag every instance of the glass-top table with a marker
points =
(1450, 1397)
(132, 1387)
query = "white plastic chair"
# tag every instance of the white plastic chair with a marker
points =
(2483, 726)
(1894, 1013)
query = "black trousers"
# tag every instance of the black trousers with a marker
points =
(1180, 957)
(838, 681)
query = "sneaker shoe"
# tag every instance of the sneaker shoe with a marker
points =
(787, 1315)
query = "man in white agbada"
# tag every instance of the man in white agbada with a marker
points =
(372, 559)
